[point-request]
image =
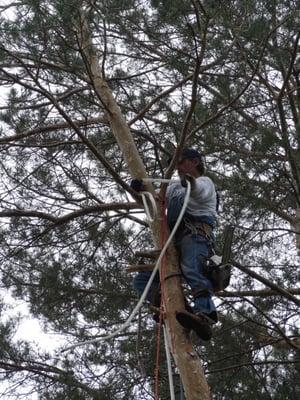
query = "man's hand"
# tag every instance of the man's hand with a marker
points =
(189, 178)
(137, 185)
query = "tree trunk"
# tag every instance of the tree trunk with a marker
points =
(186, 359)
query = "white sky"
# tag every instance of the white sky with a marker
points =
(29, 328)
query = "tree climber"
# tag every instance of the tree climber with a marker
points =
(193, 241)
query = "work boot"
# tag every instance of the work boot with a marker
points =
(199, 323)
(156, 304)
(213, 316)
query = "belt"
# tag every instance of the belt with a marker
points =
(206, 228)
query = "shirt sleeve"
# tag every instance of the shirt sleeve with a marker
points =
(175, 198)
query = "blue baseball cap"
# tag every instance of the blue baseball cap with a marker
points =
(188, 153)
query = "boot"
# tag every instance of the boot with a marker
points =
(199, 323)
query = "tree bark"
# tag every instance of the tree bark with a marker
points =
(186, 359)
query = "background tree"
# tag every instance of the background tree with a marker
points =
(228, 72)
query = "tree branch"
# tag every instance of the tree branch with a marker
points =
(251, 364)
(285, 293)
(99, 208)
(256, 293)
(51, 128)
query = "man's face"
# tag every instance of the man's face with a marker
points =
(188, 166)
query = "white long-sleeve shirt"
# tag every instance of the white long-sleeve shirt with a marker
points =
(203, 199)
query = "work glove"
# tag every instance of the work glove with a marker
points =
(137, 185)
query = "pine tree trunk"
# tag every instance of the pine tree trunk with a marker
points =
(186, 359)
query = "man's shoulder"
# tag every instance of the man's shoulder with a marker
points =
(205, 180)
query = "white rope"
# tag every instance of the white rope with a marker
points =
(150, 219)
(161, 180)
(149, 283)
(169, 364)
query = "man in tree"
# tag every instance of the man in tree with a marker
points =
(193, 240)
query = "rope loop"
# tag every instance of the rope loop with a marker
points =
(150, 217)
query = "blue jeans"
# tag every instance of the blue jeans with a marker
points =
(140, 281)
(194, 250)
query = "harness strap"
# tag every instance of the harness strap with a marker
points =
(175, 274)
(197, 227)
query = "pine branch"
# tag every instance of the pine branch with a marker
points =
(99, 208)
(251, 364)
(256, 293)
(268, 283)
(279, 343)
(221, 111)
(160, 96)
(49, 372)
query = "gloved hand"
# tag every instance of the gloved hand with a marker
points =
(137, 185)
(187, 177)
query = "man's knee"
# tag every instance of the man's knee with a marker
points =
(141, 279)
